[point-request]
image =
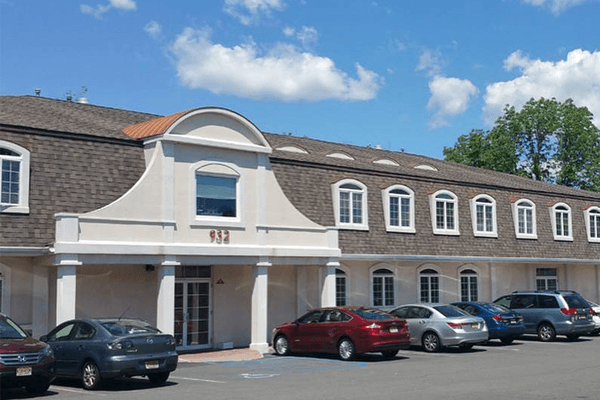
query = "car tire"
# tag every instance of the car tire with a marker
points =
(346, 349)
(90, 376)
(38, 387)
(389, 354)
(431, 342)
(572, 336)
(281, 345)
(465, 346)
(507, 340)
(546, 333)
(158, 378)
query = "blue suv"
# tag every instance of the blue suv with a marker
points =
(551, 313)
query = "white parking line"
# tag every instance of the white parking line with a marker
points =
(78, 391)
(195, 379)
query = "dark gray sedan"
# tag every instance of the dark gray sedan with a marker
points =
(97, 349)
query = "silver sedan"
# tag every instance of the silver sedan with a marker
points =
(437, 326)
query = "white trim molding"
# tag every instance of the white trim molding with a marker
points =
(351, 188)
(562, 231)
(521, 208)
(480, 205)
(399, 192)
(22, 157)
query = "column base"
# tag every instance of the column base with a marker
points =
(263, 348)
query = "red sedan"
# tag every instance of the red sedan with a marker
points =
(347, 331)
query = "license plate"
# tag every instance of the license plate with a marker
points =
(513, 321)
(152, 364)
(393, 329)
(475, 325)
(24, 371)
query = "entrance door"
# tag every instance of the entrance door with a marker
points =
(192, 313)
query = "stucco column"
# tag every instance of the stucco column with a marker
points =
(165, 302)
(40, 301)
(66, 293)
(259, 307)
(328, 284)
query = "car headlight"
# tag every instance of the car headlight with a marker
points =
(170, 341)
(46, 352)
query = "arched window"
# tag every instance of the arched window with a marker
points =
(592, 222)
(524, 219)
(340, 287)
(350, 197)
(383, 287)
(444, 213)
(560, 215)
(14, 178)
(483, 212)
(429, 286)
(399, 205)
(469, 289)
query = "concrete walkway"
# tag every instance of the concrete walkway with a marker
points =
(243, 354)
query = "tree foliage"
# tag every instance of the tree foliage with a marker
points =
(546, 140)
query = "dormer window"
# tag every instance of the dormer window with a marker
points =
(483, 211)
(350, 198)
(560, 215)
(14, 178)
(592, 222)
(444, 213)
(399, 205)
(524, 219)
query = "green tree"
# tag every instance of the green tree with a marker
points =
(546, 140)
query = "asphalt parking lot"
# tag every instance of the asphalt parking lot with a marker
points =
(527, 369)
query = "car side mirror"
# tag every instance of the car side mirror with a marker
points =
(297, 322)
(44, 338)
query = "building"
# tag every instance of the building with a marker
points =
(217, 232)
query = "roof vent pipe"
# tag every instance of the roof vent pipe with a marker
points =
(38, 92)
(83, 100)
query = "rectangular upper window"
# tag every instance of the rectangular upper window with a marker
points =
(216, 196)
(10, 182)
(444, 213)
(14, 178)
(560, 216)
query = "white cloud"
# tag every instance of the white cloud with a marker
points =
(249, 11)
(307, 35)
(430, 62)
(100, 9)
(283, 73)
(449, 98)
(577, 77)
(153, 29)
(556, 6)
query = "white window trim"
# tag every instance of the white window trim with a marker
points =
(546, 278)
(563, 238)
(386, 194)
(586, 214)
(6, 289)
(440, 286)
(220, 169)
(364, 226)
(432, 209)
(24, 156)
(394, 278)
(473, 205)
(476, 274)
(515, 210)
(346, 271)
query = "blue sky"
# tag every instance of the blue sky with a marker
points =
(411, 75)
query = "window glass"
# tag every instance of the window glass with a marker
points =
(445, 212)
(561, 221)
(215, 196)
(546, 279)
(311, 317)
(340, 287)
(525, 218)
(594, 220)
(350, 204)
(84, 332)
(468, 285)
(429, 286)
(10, 330)
(401, 312)
(575, 301)
(62, 333)
(484, 215)
(9, 192)
(372, 314)
(523, 301)
(495, 308)
(547, 302)
(383, 287)
(400, 208)
(128, 327)
(504, 301)
(449, 311)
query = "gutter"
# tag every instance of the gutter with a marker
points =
(465, 259)
(10, 251)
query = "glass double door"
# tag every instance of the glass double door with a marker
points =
(192, 313)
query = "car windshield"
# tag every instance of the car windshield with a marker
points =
(575, 301)
(495, 308)
(10, 330)
(451, 311)
(128, 327)
(372, 314)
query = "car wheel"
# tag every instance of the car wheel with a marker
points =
(90, 376)
(346, 349)
(431, 342)
(38, 387)
(465, 346)
(572, 336)
(389, 354)
(282, 346)
(507, 340)
(158, 377)
(546, 333)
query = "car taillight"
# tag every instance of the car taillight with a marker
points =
(569, 311)
(373, 326)
(592, 312)
(454, 325)
(498, 318)
(126, 344)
